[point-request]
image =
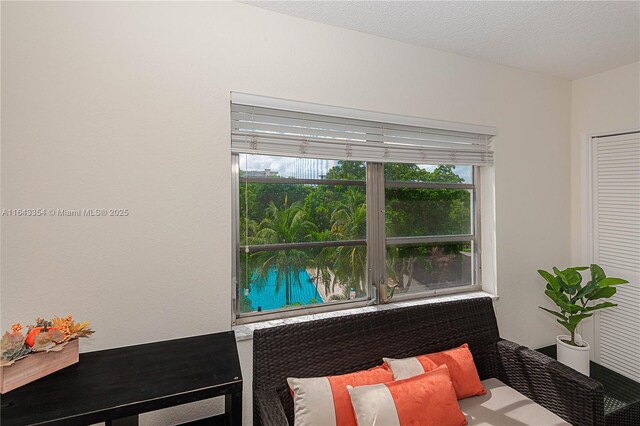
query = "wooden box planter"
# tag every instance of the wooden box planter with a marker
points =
(36, 366)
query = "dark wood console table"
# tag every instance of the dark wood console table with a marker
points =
(116, 385)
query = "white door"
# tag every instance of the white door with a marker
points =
(616, 247)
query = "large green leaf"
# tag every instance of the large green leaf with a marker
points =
(575, 319)
(557, 299)
(603, 293)
(564, 281)
(572, 277)
(597, 273)
(553, 295)
(599, 306)
(562, 296)
(585, 291)
(562, 301)
(567, 325)
(611, 281)
(557, 294)
(552, 312)
(553, 282)
(560, 274)
(574, 308)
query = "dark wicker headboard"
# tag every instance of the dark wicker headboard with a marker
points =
(349, 343)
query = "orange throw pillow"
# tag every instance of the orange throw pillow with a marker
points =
(325, 400)
(462, 369)
(424, 400)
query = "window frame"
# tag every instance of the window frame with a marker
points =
(473, 237)
(375, 242)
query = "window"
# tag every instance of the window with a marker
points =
(331, 211)
(430, 224)
(302, 232)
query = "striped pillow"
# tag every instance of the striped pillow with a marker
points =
(426, 400)
(325, 400)
(462, 369)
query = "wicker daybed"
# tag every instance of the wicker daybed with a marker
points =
(349, 343)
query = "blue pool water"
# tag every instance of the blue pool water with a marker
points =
(263, 294)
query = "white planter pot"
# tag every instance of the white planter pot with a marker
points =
(576, 357)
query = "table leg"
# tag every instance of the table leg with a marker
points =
(233, 409)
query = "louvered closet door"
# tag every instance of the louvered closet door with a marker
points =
(616, 247)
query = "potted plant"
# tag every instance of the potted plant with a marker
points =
(575, 304)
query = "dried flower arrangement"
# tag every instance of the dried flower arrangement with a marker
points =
(44, 336)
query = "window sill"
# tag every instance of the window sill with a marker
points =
(245, 331)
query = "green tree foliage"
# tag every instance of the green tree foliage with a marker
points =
(419, 212)
(256, 198)
(349, 222)
(348, 170)
(414, 212)
(282, 224)
(321, 260)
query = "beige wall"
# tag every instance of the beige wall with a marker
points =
(608, 102)
(126, 105)
(604, 103)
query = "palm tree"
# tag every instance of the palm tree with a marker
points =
(349, 222)
(281, 225)
(321, 260)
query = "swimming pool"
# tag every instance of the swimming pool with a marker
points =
(263, 295)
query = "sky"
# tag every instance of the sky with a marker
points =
(310, 168)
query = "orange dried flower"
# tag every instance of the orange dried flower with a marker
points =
(70, 328)
(16, 328)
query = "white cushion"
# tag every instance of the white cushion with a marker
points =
(312, 401)
(503, 406)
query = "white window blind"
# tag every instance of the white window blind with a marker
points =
(336, 134)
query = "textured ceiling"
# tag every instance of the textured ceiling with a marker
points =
(561, 38)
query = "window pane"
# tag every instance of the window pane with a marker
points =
(300, 168)
(329, 205)
(423, 267)
(300, 277)
(427, 173)
(283, 212)
(427, 212)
